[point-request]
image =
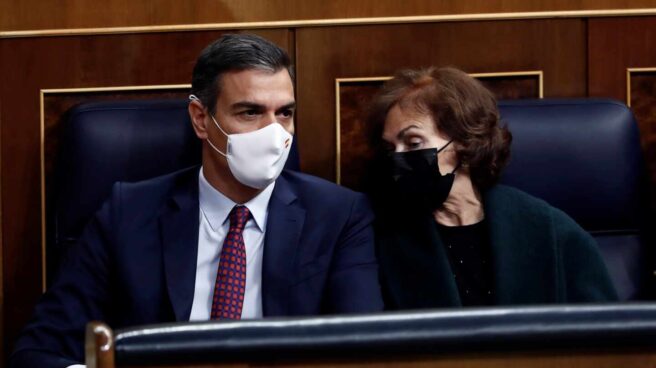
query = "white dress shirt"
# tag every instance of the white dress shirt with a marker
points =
(214, 225)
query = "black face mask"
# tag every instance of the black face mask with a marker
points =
(418, 179)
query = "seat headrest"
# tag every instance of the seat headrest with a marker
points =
(106, 142)
(582, 156)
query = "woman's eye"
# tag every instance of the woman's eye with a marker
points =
(414, 144)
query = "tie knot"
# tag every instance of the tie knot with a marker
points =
(238, 217)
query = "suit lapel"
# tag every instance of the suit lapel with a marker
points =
(179, 223)
(283, 230)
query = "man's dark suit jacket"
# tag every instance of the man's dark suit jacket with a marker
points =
(136, 262)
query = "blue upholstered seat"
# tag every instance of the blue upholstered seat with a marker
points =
(584, 157)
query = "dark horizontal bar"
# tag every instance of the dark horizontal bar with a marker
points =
(393, 334)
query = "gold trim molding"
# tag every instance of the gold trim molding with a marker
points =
(338, 121)
(628, 80)
(42, 95)
(333, 22)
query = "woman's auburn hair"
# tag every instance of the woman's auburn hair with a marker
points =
(461, 107)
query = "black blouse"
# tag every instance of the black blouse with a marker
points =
(470, 256)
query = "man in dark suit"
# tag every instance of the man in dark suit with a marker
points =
(235, 238)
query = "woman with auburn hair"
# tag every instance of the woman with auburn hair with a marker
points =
(447, 234)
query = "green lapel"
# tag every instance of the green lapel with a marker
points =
(526, 269)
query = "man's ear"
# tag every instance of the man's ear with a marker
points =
(199, 117)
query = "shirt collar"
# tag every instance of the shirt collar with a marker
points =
(216, 206)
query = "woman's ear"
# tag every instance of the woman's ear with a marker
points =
(199, 117)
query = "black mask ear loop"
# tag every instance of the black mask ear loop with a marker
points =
(457, 167)
(442, 149)
(444, 146)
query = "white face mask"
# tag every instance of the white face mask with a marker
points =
(256, 158)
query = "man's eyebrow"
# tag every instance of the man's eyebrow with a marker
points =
(247, 105)
(255, 106)
(291, 105)
(400, 134)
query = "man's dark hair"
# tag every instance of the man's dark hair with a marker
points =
(234, 52)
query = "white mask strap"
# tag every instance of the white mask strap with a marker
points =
(218, 126)
(216, 149)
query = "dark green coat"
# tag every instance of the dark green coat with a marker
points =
(540, 256)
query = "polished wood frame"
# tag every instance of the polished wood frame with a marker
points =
(628, 84)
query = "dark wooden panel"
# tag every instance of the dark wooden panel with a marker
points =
(37, 14)
(643, 102)
(30, 65)
(354, 98)
(513, 87)
(614, 46)
(557, 47)
(642, 87)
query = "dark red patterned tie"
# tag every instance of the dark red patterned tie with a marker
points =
(230, 283)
